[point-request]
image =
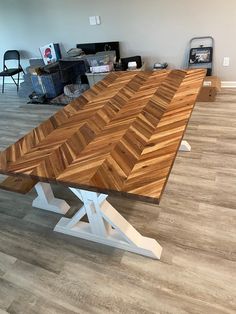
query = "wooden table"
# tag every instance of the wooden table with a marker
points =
(120, 137)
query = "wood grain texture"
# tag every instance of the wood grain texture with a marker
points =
(43, 272)
(18, 184)
(120, 136)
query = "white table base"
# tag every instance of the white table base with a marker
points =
(46, 200)
(185, 147)
(105, 225)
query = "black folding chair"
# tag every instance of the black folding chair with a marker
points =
(11, 55)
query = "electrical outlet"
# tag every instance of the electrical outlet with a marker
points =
(226, 62)
(98, 20)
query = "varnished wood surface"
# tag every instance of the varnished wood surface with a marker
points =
(120, 136)
(18, 184)
(43, 272)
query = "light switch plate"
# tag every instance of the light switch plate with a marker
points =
(226, 62)
(92, 20)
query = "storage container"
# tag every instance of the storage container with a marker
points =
(49, 84)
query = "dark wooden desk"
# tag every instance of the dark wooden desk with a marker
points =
(120, 137)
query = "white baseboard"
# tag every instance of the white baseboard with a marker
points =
(8, 80)
(228, 84)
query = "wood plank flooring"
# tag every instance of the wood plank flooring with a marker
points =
(45, 272)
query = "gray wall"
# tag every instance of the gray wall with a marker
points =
(155, 29)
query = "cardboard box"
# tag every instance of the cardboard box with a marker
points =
(211, 86)
(47, 84)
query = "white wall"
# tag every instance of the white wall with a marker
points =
(156, 29)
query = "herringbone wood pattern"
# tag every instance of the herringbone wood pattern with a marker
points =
(121, 136)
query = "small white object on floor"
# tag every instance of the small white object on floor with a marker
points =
(185, 147)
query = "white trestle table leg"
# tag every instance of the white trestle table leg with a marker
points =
(106, 226)
(46, 200)
(185, 147)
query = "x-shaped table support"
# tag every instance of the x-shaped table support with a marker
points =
(105, 225)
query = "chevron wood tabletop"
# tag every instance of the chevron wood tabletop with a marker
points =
(121, 136)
